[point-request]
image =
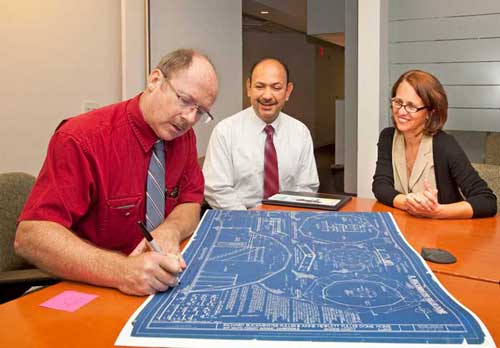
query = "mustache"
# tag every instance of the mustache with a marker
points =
(267, 102)
(181, 124)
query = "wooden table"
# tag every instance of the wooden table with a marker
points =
(476, 243)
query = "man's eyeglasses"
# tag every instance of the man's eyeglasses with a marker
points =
(411, 109)
(188, 104)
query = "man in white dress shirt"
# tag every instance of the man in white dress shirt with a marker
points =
(234, 162)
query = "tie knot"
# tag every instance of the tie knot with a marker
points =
(158, 147)
(269, 129)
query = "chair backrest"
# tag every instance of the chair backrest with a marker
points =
(492, 151)
(14, 189)
(491, 174)
(201, 160)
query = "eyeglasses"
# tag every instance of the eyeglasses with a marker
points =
(411, 109)
(187, 104)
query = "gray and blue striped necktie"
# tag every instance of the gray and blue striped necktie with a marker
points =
(155, 187)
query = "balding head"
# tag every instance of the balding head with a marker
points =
(277, 60)
(180, 89)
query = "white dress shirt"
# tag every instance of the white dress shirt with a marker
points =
(234, 162)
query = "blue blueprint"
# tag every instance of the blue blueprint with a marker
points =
(303, 276)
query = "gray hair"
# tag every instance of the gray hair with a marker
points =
(179, 60)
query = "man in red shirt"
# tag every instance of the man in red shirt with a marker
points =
(80, 220)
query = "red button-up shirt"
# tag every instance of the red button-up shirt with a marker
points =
(93, 180)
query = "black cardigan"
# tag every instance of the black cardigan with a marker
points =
(453, 171)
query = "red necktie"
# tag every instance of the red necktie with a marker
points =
(271, 178)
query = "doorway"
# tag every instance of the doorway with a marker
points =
(317, 71)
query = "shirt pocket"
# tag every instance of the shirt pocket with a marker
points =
(247, 168)
(121, 232)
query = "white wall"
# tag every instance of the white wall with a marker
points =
(368, 92)
(459, 42)
(351, 96)
(55, 55)
(133, 52)
(214, 28)
(385, 110)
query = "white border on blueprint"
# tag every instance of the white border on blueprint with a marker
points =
(125, 338)
(211, 343)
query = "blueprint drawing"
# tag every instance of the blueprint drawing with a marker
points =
(304, 277)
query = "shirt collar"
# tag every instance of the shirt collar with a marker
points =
(140, 128)
(258, 125)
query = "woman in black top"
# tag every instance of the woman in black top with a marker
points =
(420, 168)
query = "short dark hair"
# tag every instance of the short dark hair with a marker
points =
(432, 93)
(179, 60)
(282, 63)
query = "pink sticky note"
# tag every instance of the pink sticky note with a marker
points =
(68, 301)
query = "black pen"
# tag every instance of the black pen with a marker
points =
(149, 238)
(153, 245)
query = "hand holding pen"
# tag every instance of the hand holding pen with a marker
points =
(155, 247)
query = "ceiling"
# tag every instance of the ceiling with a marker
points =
(290, 13)
(284, 15)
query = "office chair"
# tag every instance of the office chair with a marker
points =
(492, 148)
(491, 174)
(490, 169)
(16, 274)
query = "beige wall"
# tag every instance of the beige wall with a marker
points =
(217, 33)
(55, 55)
